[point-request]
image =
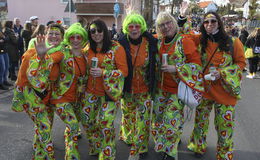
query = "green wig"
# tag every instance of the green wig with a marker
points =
(75, 28)
(135, 19)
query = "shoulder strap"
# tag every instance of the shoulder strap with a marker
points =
(209, 60)
(231, 45)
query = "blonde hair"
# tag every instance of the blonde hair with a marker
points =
(163, 17)
(254, 33)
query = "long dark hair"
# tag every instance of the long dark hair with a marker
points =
(107, 43)
(39, 30)
(28, 26)
(8, 24)
(225, 39)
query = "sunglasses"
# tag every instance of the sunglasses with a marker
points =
(131, 26)
(212, 21)
(94, 30)
(72, 38)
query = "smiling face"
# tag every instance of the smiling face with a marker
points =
(210, 24)
(167, 28)
(76, 41)
(54, 36)
(134, 31)
(97, 34)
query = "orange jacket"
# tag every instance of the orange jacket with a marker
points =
(216, 91)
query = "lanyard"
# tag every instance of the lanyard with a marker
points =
(78, 66)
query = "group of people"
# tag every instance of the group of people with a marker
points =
(85, 77)
(14, 40)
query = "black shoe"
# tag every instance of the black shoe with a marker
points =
(7, 83)
(79, 136)
(198, 155)
(180, 142)
(143, 155)
(13, 77)
(167, 157)
(3, 87)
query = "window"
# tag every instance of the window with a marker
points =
(64, 1)
(66, 21)
(2, 4)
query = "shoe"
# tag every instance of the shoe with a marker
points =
(250, 76)
(3, 87)
(143, 155)
(79, 136)
(13, 77)
(133, 157)
(198, 155)
(167, 157)
(7, 83)
(256, 76)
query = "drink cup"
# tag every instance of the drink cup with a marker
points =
(94, 62)
(209, 77)
(165, 59)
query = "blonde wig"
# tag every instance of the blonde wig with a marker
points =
(162, 18)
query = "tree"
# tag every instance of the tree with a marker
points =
(175, 4)
(252, 9)
(148, 12)
(194, 8)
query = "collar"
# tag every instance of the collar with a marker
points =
(135, 41)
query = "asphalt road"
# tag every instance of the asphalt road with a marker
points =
(16, 132)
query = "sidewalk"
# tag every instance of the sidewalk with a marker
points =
(5, 93)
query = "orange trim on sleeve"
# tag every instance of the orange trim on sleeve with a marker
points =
(121, 62)
(22, 77)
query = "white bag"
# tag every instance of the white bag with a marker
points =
(189, 96)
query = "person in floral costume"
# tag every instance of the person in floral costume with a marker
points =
(32, 95)
(104, 90)
(140, 47)
(183, 64)
(225, 58)
(69, 88)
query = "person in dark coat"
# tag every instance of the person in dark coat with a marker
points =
(18, 32)
(27, 34)
(253, 41)
(243, 35)
(141, 48)
(4, 64)
(11, 48)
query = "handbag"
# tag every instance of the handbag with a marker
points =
(189, 96)
(249, 53)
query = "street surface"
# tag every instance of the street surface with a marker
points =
(16, 132)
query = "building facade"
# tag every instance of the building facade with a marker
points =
(87, 10)
(46, 10)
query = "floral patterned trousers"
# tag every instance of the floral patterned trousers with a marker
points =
(224, 125)
(42, 145)
(66, 113)
(136, 120)
(98, 116)
(167, 122)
